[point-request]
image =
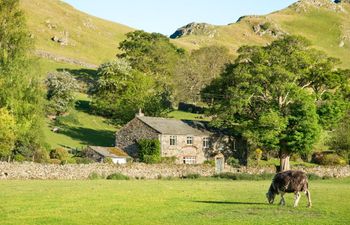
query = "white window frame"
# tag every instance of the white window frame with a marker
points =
(206, 143)
(189, 159)
(173, 140)
(189, 140)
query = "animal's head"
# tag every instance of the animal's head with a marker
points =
(270, 196)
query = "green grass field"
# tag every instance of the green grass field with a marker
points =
(167, 202)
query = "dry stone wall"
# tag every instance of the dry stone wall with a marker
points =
(24, 171)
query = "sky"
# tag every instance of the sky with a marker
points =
(165, 16)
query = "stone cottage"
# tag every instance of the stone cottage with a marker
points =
(189, 141)
(99, 154)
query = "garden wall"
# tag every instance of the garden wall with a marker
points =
(137, 170)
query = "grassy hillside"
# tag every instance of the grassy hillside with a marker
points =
(89, 39)
(325, 24)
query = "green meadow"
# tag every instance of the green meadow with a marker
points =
(167, 202)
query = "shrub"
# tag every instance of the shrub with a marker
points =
(95, 176)
(71, 161)
(59, 153)
(149, 150)
(258, 154)
(210, 162)
(83, 160)
(333, 160)
(41, 156)
(328, 159)
(19, 158)
(191, 176)
(117, 176)
(108, 160)
(168, 160)
(233, 162)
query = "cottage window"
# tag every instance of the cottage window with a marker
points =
(173, 140)
(189, 160)
(189, 140)
(206, 143)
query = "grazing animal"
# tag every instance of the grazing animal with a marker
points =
(291, 181)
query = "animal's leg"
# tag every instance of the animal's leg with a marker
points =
(297, 198)
(308, 195)
(282, 202)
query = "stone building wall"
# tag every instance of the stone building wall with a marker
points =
(24, 171)
(182, 149)
(135, 130)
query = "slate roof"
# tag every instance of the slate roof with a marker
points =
(112, 152)
(176, 127)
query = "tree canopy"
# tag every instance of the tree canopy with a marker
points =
(198, 69)
(60, 92)
(20, 90)
(121, 91)
(271, 95)
(151, 53)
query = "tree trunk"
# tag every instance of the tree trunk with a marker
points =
(284, 162)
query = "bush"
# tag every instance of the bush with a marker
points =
(328, 159)
(333, 160)
(191, 176)
(41, 156)
(71, 161)
(233, 162)
(149, 150)
(168, 160)
(95, 176)
(83, 160)
(258, 154)
(59, 153)
(108, 160)
(117, 176)
(210, 162)
(19, 158)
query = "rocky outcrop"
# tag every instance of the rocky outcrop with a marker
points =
(305, 5)
(195, 29)
(267, 28)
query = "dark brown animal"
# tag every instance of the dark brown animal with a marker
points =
(291, 181)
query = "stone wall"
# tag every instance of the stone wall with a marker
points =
(23, 171)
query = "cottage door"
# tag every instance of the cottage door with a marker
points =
(219, 165)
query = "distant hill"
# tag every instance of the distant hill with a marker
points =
(324, 23)
(65, 34)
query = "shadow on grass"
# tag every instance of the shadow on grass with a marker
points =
(90, 136)
(231, 203)
(83, 105)
(84, 75)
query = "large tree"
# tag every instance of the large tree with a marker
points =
(153, 54)
(271, 95)
(121, 91)
(20, 90)
(198, 69)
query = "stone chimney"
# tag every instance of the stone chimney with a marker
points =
(140, 114)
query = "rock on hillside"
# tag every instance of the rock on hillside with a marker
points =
(305, 5)
(61, 30)
(195, 29)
